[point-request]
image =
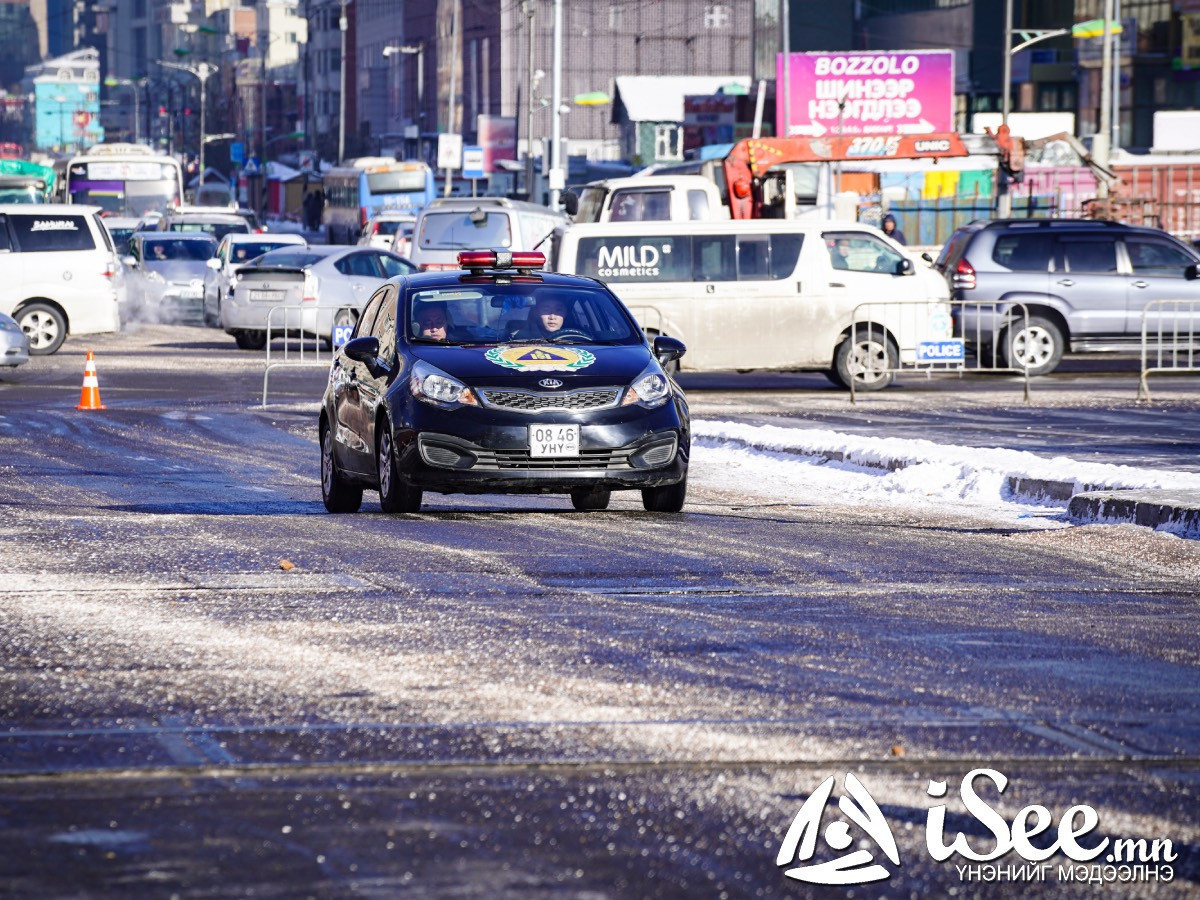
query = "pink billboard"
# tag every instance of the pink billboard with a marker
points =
(893, 92)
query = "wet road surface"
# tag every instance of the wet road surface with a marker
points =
(501, 696)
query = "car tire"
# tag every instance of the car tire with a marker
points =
(666, 499)
(586, 500)
(45, 327)
(338, 494)
(834, 378)
(868, 358)
(251, 340)
(394, 495)
(1036, 343)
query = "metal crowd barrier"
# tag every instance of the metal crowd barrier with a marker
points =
(982, 332)
(1170, 340)
(297, 350)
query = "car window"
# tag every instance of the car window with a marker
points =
(1097, 256)
(384, 326)
(1150, 256)
(457, 230)
(697, 205)
(393, 265)
(857, 252)
(48, 233)
(5, 243)
(1024, 252)
(367, 320)
(161, 249)
(358, 264)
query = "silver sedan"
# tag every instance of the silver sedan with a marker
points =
(315, 288)
(14, 343)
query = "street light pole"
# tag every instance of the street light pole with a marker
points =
(343, 25)
(203, 71)
(453, 67)
(557, 178)
(1100, 139)
(530, 9)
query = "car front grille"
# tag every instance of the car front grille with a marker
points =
(527, 402)
(499, 460)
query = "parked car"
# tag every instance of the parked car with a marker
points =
(497, 378)
(59, 272)
(120, 229)
(233, 252)
(324, 285)
(451, 224)
(1085, 285)
(166, 276)
(215, 221)
(14, 343)
(389, 230)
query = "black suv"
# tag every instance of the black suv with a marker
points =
(1084, 283)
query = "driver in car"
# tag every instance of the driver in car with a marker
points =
(546, 319)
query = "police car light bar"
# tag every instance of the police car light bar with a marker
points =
(501, 259)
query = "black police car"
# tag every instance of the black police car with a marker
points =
(500, 378)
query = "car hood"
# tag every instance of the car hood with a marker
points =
(179, 269)
(523, 365)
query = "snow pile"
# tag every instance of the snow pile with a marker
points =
(803, 464)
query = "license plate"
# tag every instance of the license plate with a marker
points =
(553, 440)
(266, 295)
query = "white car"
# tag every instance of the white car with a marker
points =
(389, 230)
(321, 286)
(235, 251)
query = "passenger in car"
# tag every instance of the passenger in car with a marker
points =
(433, 323)
(548, 316)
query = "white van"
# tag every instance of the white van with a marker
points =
(59, 272)
(769, 294)
(451, 224)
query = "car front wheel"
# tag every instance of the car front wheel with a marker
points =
(867, 358)
(394, 495)
(45, 326)
(251, 340)
(339, 495)
(590, 500)
(667, 499)
(1035, 344)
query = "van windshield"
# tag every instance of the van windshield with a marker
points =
(465, 230)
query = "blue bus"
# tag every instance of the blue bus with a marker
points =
(370, 185)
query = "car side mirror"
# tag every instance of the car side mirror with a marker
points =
(668, 349)
(362, 349)
(1192, 272)
(570, 202)
(213, 263)
(925, 256)
(130, 261)
(905, 267)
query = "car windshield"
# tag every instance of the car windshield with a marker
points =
(290, 259)
(166, 249)
(522, 312)
(465, 230)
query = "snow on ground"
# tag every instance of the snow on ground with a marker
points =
(809, 465)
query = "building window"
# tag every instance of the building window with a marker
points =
(667, 142)
(717, 16)
(614, 18)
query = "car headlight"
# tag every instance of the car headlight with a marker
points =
(650, 389)
(433, 386)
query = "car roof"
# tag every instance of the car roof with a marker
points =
(174, 236)
(221, 217)
(41, 209)
(394, 214)
(286, 237)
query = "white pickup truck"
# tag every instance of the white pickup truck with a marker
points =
(651, 198)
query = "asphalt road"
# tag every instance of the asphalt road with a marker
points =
(503, 697)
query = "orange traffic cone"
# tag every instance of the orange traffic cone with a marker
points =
(89, 398)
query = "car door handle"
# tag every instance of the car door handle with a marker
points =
(1141, 284)
(1065, 282)
(836, 284)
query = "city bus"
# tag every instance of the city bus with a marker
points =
(124, 180)
(357, 191)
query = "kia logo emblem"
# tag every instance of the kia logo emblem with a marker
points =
(550, 383)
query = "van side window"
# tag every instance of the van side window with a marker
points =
(714, 257)
(50, 232)
(754, 257)
(785, 251)
(1096, 256)
(5, 243)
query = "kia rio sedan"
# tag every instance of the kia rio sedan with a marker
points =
(499, 378)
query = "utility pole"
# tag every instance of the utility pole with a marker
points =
(557, 177)
(343, 25)
(453, 66)
(529, 7)
(1100, 145)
